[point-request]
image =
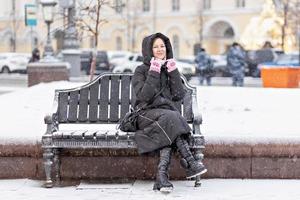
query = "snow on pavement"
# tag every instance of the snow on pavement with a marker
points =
(211, 189)
(230, 114)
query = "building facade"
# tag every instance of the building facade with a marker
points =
(214, 24)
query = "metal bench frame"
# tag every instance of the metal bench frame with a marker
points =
(105, 100)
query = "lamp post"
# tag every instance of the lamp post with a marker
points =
(70, 36)
(71, 52)
(48, 13)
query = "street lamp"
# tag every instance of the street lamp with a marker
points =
(48, 13)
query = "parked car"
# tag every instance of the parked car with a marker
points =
(131, 62)
(283, 60)
(220, 65)
(14, 62)
(102, 63)
(255, 57)
(116, 57)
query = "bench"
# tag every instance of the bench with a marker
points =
(103, 101)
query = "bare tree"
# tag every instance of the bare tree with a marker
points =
(200, 20)
(14, 26)
(132, 20)
(290, 10)
(91, 23)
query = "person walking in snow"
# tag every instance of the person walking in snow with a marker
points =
(236, 61)
(161, 126)
(204, 67)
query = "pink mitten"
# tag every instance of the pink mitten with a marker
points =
(171, 65)
(155, 65)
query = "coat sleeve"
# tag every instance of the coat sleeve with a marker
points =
(176, 86)
(145, 86)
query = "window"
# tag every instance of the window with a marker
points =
(176, 45)
(240, 3)
(146, 5)
(175, 5)
(206, 4)
(35, 41)
(118, 6)
(119, 43)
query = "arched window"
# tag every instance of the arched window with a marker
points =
(118, 43)
(175, 46)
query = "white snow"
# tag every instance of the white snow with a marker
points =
(230, 114)
(211, 189)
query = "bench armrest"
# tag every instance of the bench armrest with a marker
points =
(52, 125)
(197, 117)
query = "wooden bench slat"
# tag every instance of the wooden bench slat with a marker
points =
(73, 106)
(63, 106)
(133, 97)
(104, 94)
(93, 107)
(114, 100)
(125, 98)
(83, 104)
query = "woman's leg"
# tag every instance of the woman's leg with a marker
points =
(162, 182)
(192, 166)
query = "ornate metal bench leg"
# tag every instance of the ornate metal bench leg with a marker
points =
(48, 157)
(56, 165)
(199, 157)
(197, 181)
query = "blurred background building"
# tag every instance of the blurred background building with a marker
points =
(190, 24)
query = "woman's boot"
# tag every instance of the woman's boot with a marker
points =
(162, 182)
(193, 167)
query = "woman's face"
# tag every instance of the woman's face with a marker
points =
(159, 49)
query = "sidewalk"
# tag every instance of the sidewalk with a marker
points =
(211, 189)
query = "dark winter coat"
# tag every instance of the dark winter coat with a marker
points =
(161, 123)
(236, 60)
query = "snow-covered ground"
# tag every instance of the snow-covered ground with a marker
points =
(211, 189)
(230, 114)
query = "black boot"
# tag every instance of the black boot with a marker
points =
(162, 182)
(192, 166)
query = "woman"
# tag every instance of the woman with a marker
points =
(161, 127)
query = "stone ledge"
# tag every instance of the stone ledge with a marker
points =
(221, 160)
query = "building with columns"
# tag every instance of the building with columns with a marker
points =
(214, 24)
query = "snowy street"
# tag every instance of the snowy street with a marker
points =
(251, 115)
(211, 189)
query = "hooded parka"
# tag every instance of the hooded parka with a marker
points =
(161, 123)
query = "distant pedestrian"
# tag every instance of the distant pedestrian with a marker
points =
(205, 68)
(236, 61)
(35, 56)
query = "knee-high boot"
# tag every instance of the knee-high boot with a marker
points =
(162, 182)
(192, 166)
